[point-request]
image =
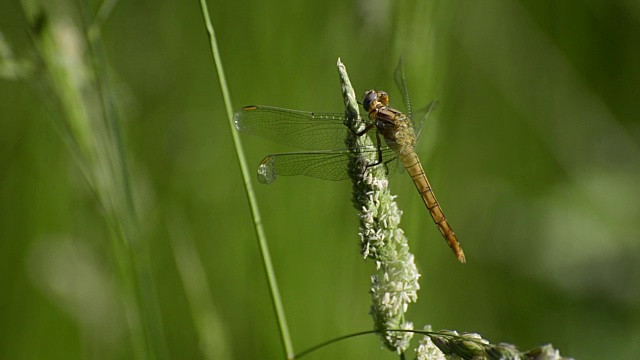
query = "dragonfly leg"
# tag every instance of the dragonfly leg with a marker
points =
(379, 160)
(386, 165)
(364, 131)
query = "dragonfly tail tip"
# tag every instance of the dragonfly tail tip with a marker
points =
(461, 257)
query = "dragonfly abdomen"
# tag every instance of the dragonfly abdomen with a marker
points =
(412, 163)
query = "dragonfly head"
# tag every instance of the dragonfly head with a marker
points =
(374, 99)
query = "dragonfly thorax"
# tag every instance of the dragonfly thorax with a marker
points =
(393, 125)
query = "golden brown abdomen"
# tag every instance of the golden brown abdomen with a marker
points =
(411, 162)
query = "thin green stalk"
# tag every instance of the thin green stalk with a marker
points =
(209, 327)
(332, 341)
(75, 73)
(139, 249)
(257, 222)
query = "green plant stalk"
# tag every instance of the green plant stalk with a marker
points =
(140, 252)
(209, 328)
(88, 126)
(257, 221)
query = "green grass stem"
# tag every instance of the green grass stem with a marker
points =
(76, 75)
(255, 212)
(209, 327)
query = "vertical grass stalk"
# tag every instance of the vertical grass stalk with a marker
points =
(257, 222)
(209, 327)
(75, 75)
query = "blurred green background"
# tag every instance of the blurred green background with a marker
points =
(534, 153)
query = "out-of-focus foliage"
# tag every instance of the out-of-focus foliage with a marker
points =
(533, 152)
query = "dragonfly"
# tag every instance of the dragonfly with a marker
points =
(322, 134)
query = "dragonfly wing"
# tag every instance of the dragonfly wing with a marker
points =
(390, 162)
(423, 113)
(401, 83)
(423, 116)
(326, 165)
(299, 129)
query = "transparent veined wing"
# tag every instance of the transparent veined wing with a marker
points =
(323, 164)
(419, 117)
(299, 129)
(401, 84)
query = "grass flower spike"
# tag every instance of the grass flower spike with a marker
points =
(395, 284)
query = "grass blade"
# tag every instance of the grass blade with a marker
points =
(257, 222)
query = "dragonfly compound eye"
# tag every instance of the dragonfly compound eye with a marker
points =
(369, 97)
